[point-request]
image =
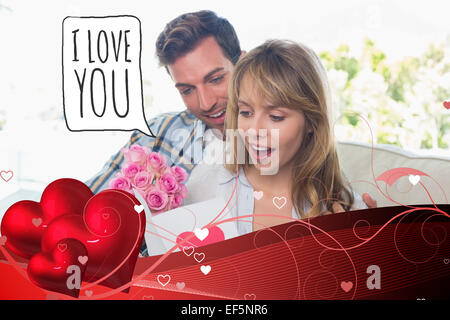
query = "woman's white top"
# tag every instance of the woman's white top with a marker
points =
(243, 200)
(210, 179)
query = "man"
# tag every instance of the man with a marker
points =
(199, 51)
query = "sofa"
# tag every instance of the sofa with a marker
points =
(356, 163)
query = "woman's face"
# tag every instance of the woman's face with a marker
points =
(283, 134)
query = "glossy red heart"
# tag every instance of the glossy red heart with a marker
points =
(112, 232)
(59, 269)
(25, 221)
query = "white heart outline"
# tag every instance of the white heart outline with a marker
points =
(200, 254)
(279, 198)
(163, 276)
(188, 247)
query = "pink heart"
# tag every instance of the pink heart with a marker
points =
(249, 296)
(88, 293)
(51, 296)
(82, 259)
(346, 285)
(258, 194)
(2, 240)
(36, 221)
(6, 175)
(215, 235)
(180, 285)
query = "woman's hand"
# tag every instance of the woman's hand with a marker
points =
(337, 208)
(368, 200)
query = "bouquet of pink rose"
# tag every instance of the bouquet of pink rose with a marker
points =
(160, 185)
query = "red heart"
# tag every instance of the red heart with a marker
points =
(25, 221)
(447, 104)
(110, 241)
(215, 235)
(52, 270)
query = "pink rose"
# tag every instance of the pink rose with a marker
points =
(182, 191)
(156, 199)
(170, 202)
(121, 183)
(136, 154)
(143, 180)
(156, 162)
(167, 183)
(178, 172)
(130, 170)
(177, 201)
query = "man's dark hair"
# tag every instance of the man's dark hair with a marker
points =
(183, 34)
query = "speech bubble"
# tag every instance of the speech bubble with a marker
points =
(102, 78)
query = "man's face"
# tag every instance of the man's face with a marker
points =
(201, 76)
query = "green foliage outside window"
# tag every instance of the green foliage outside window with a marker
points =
(401, 100)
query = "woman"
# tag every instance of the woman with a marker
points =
(289, 169)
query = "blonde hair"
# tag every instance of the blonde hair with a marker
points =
(291, 75)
